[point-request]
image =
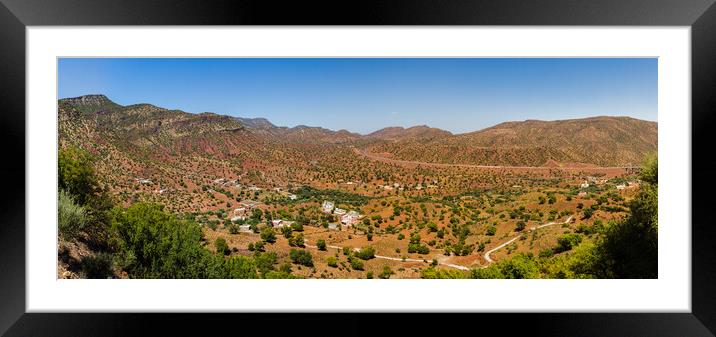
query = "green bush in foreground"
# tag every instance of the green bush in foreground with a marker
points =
(97, 266)
(71, 217)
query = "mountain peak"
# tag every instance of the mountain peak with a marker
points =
(90, 103)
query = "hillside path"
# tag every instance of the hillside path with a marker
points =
(487, 254)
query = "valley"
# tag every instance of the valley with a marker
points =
(415, 202)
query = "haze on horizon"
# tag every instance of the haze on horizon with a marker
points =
(367, 94)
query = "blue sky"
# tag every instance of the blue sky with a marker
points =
(366, 94)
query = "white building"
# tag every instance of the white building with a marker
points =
(292, 196)
(621, 187)
(350, 218)
(339, 211)
(238, 218)
(327, 206)
(585, 184)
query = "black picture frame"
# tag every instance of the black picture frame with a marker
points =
(16, 15)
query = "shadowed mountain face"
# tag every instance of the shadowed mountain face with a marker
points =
(155, 131)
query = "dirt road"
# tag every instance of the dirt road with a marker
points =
(487, 254)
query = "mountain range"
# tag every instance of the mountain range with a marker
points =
(152, 130)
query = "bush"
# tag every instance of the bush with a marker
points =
(491, 230)
(545, 253)
(332, 261)
(301, 257)
(233, 228)
(521, 266)
(97, 266)
(321, 244)
(520, 226)
(386, 273)
(287, 232)
(221, 246)
(356, 264)
(296, 240)
(71, 217)
(153, 244)
(366, 253)
(76, 174)
(567, 242)
(268, 235)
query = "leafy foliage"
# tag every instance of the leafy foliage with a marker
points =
(71, 217)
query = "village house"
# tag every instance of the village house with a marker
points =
(350, 218)
(585, 184)
(281, 223)
(292, 196)
(621, 186)
(339, 211)
(327, 207)
(238, 218)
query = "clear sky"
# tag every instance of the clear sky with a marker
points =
(366, 94)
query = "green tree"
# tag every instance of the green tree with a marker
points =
(321, 244)
(76, 173)
(366, 253)
(221, 246)
(268, 235)
(153, 244)
(302, 257)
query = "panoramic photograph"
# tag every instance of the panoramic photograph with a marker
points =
(357, 168)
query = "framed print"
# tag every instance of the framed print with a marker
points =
(499, 162)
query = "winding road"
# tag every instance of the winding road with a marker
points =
(451, 265)
(487, 254)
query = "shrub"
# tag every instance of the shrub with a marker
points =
(287, 232)
(567, 242)
(296, 240)
(520, 226)
(302, 257)
(332, 261)
(233, 228)
(71, 217)
(97, 266)
(76, 174)
(491, 230)
(366, 253)
(547, 252)
(268, 235)
(386, 272)
(221, 246)
(356, 264)
(321, 244)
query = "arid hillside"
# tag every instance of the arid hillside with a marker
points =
(602, 141)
